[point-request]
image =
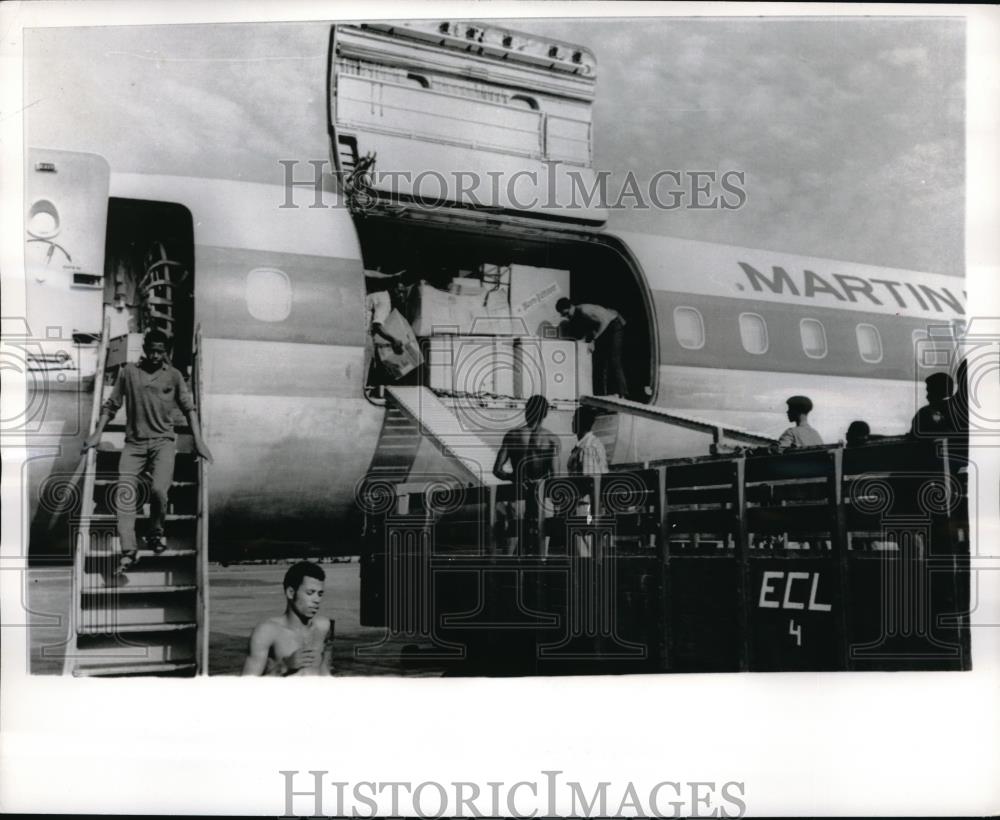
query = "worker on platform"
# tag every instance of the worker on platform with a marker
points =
(941, 416)
(858, 434)
(151, 390)
(588, 457)
(388, 332)
(379, 305)
(533, 453)
(300, 642)
(801, 435)
(604, 331)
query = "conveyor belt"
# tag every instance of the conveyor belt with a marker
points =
(717, 431)
(438, 422)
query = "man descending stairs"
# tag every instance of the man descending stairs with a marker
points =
(139, 591)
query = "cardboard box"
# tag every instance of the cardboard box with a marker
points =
(533, 296)
(466, 286)
(471, 364)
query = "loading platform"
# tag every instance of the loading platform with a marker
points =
(823, 559)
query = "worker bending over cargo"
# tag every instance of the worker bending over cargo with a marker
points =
(151, 391)
(604, 331)
(533, 453)
(300, 642)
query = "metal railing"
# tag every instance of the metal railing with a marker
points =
(201, 537)
(828, 558)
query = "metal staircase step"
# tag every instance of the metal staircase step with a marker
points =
(112, 612)
(133, 589)
(107, 457)
(115, 552)
(170, 552)
(101, 629)
(100, 482)
(149, 572)
(134, 669)
(174, 646)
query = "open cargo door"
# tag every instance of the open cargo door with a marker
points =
(463, 115)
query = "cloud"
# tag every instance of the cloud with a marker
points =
(850, 131)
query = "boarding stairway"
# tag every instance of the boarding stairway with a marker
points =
(152, 618)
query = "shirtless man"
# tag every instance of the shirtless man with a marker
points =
(533, 453)
(298, 642)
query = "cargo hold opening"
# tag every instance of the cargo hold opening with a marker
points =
(471, 288)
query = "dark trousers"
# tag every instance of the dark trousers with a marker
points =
(609, 375)
(155, 457)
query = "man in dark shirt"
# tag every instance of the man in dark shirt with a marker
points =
(604, 331)
(938, 416)
(150, 390)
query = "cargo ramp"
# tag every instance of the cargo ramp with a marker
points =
(438, 422)
(647, 411)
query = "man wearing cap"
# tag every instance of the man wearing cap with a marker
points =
(801, 435)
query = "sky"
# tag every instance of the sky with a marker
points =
(850, 132)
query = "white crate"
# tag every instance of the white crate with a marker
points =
(558, 369)
(471, 364)
(534, 293)
(441, 363)
(483, 364)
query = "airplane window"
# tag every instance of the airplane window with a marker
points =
(753, 333)
(268, 294)
(813, 338)
(524, 101)
(689, 327)
(869, 343)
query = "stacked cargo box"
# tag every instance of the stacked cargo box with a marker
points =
(500, 337)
